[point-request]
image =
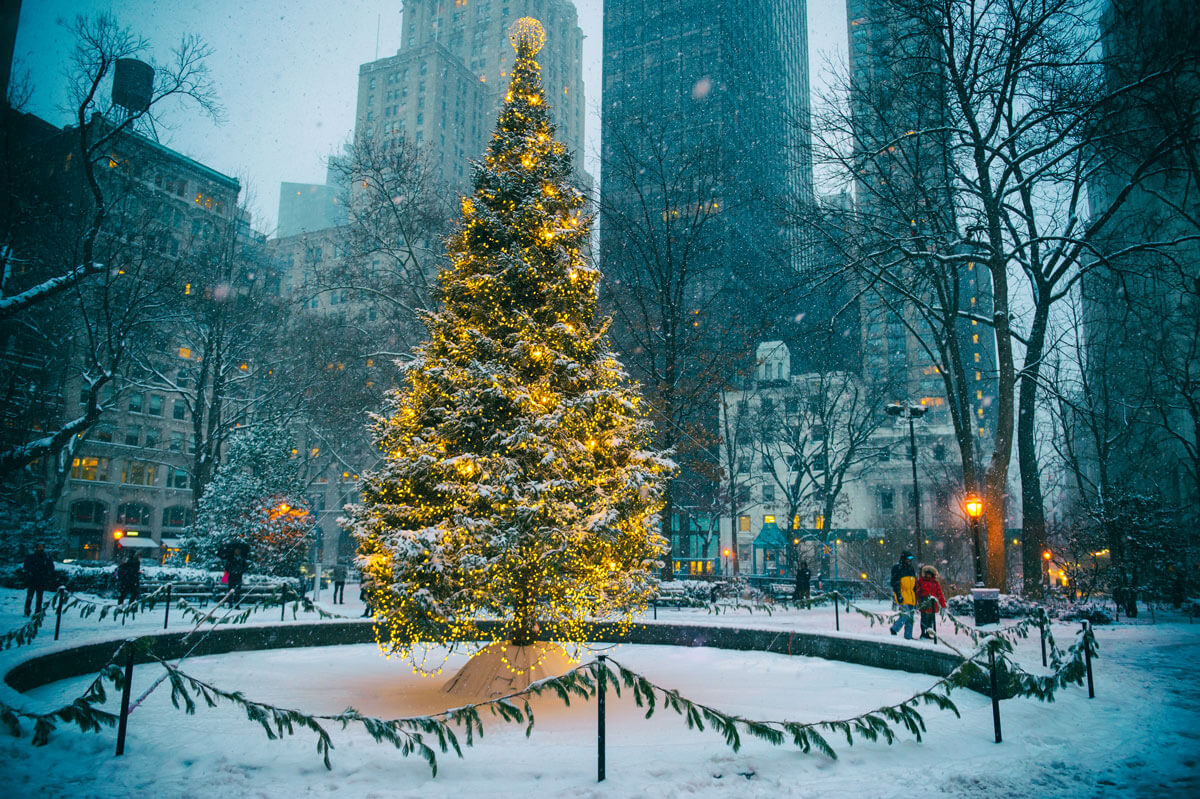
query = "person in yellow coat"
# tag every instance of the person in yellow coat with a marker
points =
(904, 584)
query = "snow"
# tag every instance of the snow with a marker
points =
(1139, 736)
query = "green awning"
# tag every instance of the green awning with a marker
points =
(770, 537)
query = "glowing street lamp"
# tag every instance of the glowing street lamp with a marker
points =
(974, 508)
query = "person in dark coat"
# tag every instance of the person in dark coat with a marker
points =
(339, 583)
(904, 583)
(803, 578)
(129, 577)
(38, 569)
(929, 599)
(235, 566)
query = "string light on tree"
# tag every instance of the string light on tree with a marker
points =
(518, 483)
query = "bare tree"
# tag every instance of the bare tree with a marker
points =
(992, 169)
(90, 250)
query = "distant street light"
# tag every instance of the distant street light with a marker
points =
(911, 412)
(974, 507)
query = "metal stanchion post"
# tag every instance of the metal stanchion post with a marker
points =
(61, 597)
(837, 622)
(1087, 661)
(995, 692)
(167, 610)
(602, 677)
(123, 724)
(282, 601)
(1042, 627)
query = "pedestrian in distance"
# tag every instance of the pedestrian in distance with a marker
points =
(38, 569)
(129, 577)
(803, 578)
(929, 599)
(904, 583)
(339, 583)
(235, 567)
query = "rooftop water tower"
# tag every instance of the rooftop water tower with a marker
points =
(133, 86)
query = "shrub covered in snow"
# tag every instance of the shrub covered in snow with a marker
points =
(98, 577)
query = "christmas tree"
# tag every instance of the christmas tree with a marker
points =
(516, 483)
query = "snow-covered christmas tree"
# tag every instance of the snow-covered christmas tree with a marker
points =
(256, 499)
(517, 483)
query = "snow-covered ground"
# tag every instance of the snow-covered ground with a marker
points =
(1139, 737)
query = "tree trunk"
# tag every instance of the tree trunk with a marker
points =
(1033, 512)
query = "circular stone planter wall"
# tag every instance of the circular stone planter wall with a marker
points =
(90, 658)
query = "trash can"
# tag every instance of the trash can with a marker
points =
(987, 605)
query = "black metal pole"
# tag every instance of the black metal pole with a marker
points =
(282, 601)
(837, 623)
(655, 603)
(912, 442)
(1087, 661)
(123, 724)
(1042, 626)
(58, 617)
(995, 692)
(602, 677)
(167, 610)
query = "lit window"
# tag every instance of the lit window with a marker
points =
(978, 375)
(978, 395)
(187, 288)
(315, 452)
(979, 412)
(977, 357)
(972, 300)
(768, 519)
(185, 352)
(744, 524)
(975, 338)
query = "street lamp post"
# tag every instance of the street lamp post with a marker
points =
(911, 413)
(974, 507)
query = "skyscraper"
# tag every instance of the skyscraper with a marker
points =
(904, 205)
(704, 148)
(1139, 305)
(444, 86)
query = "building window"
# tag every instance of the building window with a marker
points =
(90, 469)
(89, 513)
(138, 473)
(175, 442)
(177, 478)
(135, 402)
(768, 492)
(177, 516)
(939, 452)
(133, 513)
(133, 436)
(102, 432)
(744, 524)
(155, 407)
(151, 437)
(887, 500)
(179, 409)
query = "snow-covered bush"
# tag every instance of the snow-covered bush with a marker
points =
(1093, 612)
(1011, 606)
(257, 500)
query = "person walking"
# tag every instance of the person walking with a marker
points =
(803, 578)
(929, 598)
(38, 569)
(904, 583)
(339, 583)
(235, 567)
(129, 577)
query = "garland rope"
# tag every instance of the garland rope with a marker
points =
(413, 735)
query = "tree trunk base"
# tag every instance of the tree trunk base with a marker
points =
(488, 675)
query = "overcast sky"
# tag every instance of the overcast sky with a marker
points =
(287, 75)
